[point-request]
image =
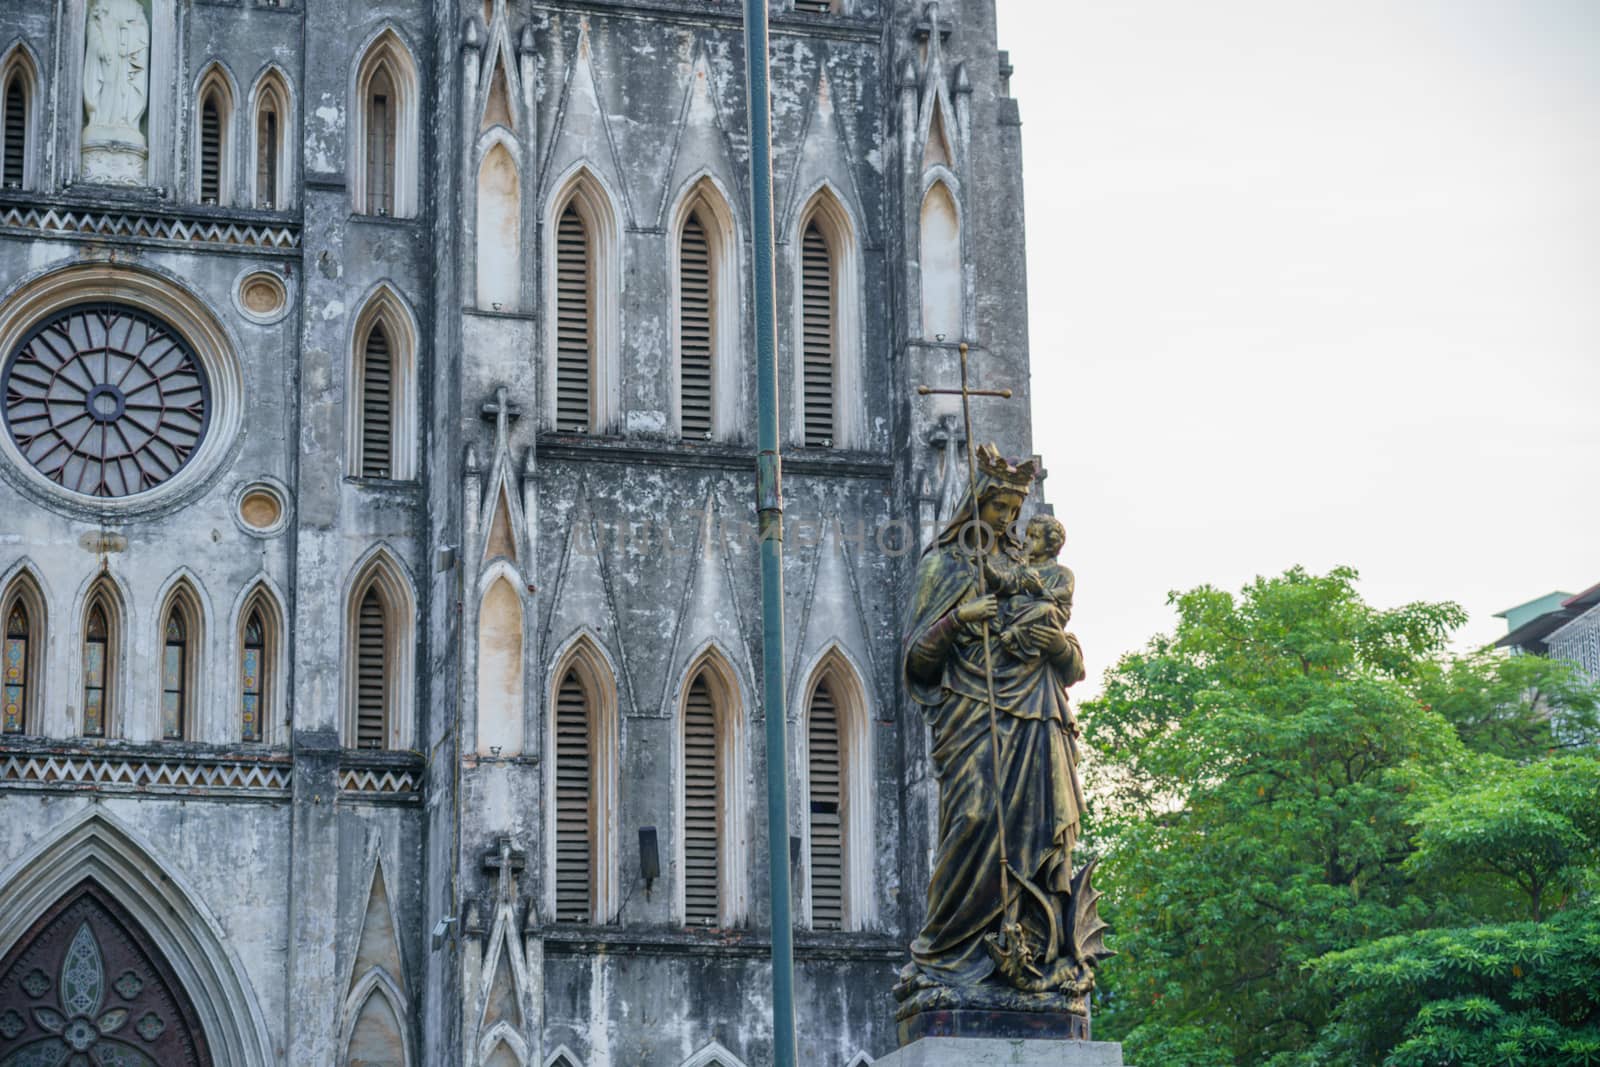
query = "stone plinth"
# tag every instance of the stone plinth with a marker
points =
(1003, 1052)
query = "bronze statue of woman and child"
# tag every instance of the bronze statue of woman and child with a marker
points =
(1010, 928)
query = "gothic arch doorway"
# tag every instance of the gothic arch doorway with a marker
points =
(86, 987)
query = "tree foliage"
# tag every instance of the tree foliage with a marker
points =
(1294, 777)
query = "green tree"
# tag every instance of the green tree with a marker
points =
(1489, 994)
(1253, 770)
(1519, 707)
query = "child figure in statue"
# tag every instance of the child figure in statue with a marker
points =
(1037, 592)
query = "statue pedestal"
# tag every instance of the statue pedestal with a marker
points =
(1003, 1052)
(957, 1037)
(110, 161)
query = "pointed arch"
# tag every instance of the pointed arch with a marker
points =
(384, 137)
(712, 839)
(257, 697)
(501, 644)
(705, 275)
(499, 226)
(583, 282)
(272, 140)
(96, 847)
(562, 1057)
(104, 622)
(838, 810)
(375, 1031)
(380, 609)
(582, 794)
(939, 262)
(180, 638)
(502, 1046)
(24, 635)
(713, 1054)
(381, 407)
(827, 317)
(211, 141)
(19, 130)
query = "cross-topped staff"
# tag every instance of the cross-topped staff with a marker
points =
(1018, 951)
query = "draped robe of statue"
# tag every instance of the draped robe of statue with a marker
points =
(1038, 792)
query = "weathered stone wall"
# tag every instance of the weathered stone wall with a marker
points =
(640, 541)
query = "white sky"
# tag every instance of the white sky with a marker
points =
(1314, 283)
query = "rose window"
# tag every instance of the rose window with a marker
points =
(106, 400)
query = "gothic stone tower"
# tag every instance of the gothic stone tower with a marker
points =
(377, 579)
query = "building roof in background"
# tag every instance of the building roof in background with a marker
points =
(1530, 623)
(1526, 612)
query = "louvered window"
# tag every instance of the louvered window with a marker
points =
(574, 324)
(96, 672)
(210, 150)
(16, 132)
(827, 834)
(14, 671)
(574, 803)
(252, 681)
(702, 808)
(380, 147)
(372, 673)
(817, 330)
(695, 330)
(377, 406)
(267, 156)
(815, 7)
(174, 677)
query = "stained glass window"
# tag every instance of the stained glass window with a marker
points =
(105, 400)
(13, 710)
(172, 679)
(96, 637)
(252, 689)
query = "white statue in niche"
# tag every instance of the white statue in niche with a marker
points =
(116, 88)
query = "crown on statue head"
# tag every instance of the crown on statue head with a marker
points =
(997, 470)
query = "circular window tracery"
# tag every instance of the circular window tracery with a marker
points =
(106, 400)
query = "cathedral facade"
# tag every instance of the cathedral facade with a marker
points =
(378, 572)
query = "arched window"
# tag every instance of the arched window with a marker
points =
(706, 313)
(271, 135)
(696, 329)
(384, 137)
(18, 661)
(574, 324)
(712, 838)
(581, 295)
(377, 404)
(574, 803)
(101, 652)
(381, 104)
(180, 675)
(583, 728)
(827, 831)
(839, 799)
(22, 631)
(940, 264)
(817, 337)
(499, 234)
(828, 382)
(17, 78)
(213, 160)
(382, 391)
(378, 657)
(252, 677)
(372, 673)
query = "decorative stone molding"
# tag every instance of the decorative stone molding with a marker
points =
(56, 771)
(145, 227)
